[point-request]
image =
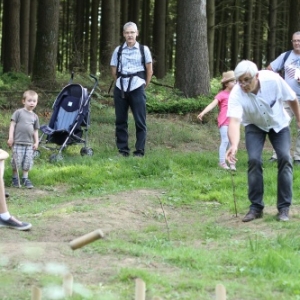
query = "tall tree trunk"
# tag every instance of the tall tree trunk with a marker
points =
(124, 17)
(86, 35)
(235, 34)
(159, 38)
(271, 50)
(94, 36)
(257, 31)
(145, 37)
(248, 30)
(170, 35)
(220, 33)
(294, 21)
(192, 70)
(24, 34)
(107, 39)
(118, 26)
(78, 37)
(211, 34)
(11, 36)
(32, 33)
(44, 70)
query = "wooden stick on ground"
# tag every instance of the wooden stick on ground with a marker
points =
(36, 293)
(140, 289)
(220, 292)
(86, 239)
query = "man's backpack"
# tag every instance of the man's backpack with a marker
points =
(142, 58)
(281, 71)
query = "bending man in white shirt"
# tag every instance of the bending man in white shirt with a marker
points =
(257, 102)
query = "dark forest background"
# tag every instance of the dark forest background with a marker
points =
(193, 40)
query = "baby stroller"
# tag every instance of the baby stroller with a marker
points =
(70, 117)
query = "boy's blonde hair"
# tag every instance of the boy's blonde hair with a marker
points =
(29, 93)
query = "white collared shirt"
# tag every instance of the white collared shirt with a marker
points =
(265, 109)
(131, 62)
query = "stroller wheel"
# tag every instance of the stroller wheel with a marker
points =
(56, 157)
(36, 154)
(86, 151)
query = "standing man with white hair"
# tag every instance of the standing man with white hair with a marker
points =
(257, 102)
(289, 61)
(131, 66)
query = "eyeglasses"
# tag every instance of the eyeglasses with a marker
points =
(295, 41)
(246, 81)
(129, 32)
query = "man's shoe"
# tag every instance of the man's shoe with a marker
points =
(272, 159)
(283, 214)
(14, 223)
(297, 162)
(252, 215)
(138, 153)
(27, 183)
(124, 153)
(15, 182)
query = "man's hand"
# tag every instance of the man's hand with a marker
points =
(230, 155)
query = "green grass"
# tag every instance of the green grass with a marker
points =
(205, 246)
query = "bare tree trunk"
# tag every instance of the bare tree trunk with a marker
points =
(159, 38)
(211, 34)
(248, 30)
(11, 36)
(118, 26)
(86, 35)
(235, 34)
(24, 34)
(257, 31)
(32, 33)
(219, 41)
(294, 21)
(146, 24)
(124, 17)
(94, 37)
(44, 69)
(78, 38)
(271, 53)
(107, 39)
(192, 70)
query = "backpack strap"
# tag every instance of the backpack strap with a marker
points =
(287, 54)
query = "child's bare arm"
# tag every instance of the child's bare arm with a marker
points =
(11, 132)
(36, 139)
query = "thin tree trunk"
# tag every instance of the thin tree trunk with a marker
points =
(159, 38)
(94, 36)
(211, 34)
(24, 34)
(32, 33)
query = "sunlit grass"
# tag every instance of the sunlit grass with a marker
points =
(187, 258)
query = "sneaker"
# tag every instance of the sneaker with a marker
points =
(14, 223)
(283, 214)
(15, 182)
(232, 167)
(27, 183)
(6, 194)
(252, 215)
(224, 166)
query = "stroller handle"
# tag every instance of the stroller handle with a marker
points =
(94, 77)
(95, 83)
